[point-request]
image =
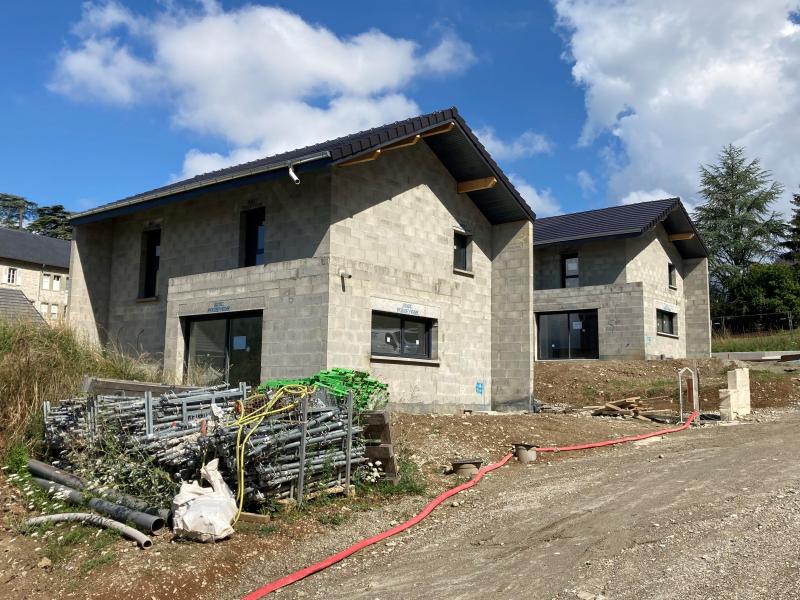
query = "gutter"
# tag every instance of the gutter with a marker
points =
(172, 190)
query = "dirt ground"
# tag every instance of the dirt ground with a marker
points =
(579, 383)
(505, 513)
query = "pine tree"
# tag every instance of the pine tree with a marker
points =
(15, 211)
(736, 220)
(792, 242)
(52, 221)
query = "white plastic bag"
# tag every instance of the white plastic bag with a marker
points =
(201, 513)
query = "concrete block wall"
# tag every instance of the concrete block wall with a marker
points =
(601, 263)
(650, 256)
(202, 236)
(392, 227)
(620, 315)
(644, 260)
(512, 316)
(293, 298)
(697, 308)
(90, 281)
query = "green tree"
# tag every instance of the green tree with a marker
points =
(736, 220)
(15, 210)
(792, 242)
(765, 288)
(52, 221)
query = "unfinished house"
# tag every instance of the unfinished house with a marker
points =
(34, 269)
(403, 251)
(625, 282)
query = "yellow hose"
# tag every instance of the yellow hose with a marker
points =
(256, 418)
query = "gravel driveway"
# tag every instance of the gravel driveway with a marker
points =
(709, 513)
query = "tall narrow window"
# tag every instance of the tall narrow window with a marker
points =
(151, 256)
(461, 254)
(54, 312)
(11, 276)
(56, 283)
(253, 230)
(570, 271)
(45, 281)
(672, 276)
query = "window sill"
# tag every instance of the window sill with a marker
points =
(463, 272)
(428, 362)
(147, 300)
(668, 335)
(673, 287)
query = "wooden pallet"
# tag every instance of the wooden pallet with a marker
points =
(378, 434)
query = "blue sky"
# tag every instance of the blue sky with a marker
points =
(105, 100)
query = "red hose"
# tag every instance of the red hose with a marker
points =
(334, 558)
(622, 440)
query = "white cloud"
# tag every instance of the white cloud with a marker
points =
(673, 82)
(542, 201)
(637, 196)
(586, 182)
(525, 145)
(261, 78)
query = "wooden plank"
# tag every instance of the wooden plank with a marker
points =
(473, 185)
(382, 452)
(677, 237)
(100, 386)
(361, 159)
(249, 517)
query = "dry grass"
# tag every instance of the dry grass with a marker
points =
(39, 362)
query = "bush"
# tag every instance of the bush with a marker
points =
(42, 363)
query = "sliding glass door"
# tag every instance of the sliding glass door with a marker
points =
(224, 349)
(568, 335)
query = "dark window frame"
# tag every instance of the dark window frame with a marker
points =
(186, 323)
(672, 276)
(591, 311)
(564, 276)
(462, 256)
(666, 322)
(150, 263)
(252, 246)
(429, 323)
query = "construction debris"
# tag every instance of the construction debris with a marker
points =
(633, 407)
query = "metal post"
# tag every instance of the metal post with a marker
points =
(303, 429)
(349, 448)
(148, 413)
(696, 389)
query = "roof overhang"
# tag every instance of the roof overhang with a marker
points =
(302, 164)
(445, 133)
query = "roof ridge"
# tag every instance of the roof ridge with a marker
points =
(309, 147)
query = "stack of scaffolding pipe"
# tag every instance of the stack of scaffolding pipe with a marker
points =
(178, 432)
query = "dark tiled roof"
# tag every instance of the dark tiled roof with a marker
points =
(467, 158)
(621, 221)
(32, 248)
(15, 306)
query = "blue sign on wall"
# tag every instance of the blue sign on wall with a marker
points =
(479, 387)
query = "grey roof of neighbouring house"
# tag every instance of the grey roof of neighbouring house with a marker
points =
(622, 221)
(15, 306)
(37, 249)
(458, 149)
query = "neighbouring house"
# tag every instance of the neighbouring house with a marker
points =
(36, 268)
(402, 250)
(625, 282)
